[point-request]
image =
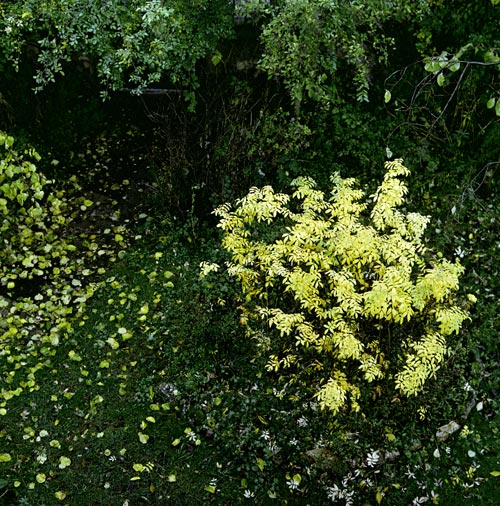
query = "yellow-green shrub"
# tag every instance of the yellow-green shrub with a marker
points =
(355, 295)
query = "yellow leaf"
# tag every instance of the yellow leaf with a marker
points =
(143, 438)
(260, 464)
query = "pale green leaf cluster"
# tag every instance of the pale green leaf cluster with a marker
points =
(33, 215)
(349, 284)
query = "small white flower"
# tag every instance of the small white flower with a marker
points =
(302, 421)
(293, 484)
(248, 494)
(265, 435)
(274, 448)
(420, 500)
(373, 458)
(410, 474)
(191, 436)
(41, 458)
(333, 493)
(294, 442)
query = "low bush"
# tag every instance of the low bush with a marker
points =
(355, 298)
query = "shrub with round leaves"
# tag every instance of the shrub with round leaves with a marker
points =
(350, 288)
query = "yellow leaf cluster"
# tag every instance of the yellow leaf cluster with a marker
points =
(348, 284)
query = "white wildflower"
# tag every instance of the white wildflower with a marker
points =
(373, 458)
(265, 435)
(420, 500)
(248, 494)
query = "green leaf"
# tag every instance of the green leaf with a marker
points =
(440, 79)
(64, 462)
(387, 96)
(216, 58)
(143, 438)
(5, 457)
(491, 103)
(210, 488)
(260, 464)
(497, 108)
(495, 473)
(432, 66)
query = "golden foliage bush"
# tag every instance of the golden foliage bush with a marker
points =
(347, 282)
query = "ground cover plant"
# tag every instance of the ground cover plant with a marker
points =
(156, 396)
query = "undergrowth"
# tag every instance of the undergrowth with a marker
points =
(156, 397)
